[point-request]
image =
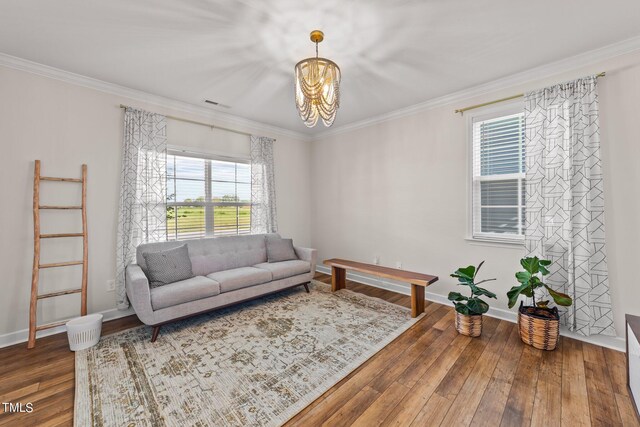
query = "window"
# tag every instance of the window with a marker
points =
(498, 176)
(207, 197)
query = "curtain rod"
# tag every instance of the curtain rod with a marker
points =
(520, 95)
(198, 123)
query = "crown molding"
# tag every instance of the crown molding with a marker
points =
(138, 95)
(538, 73)
(565, 65)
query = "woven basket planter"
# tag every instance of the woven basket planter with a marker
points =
(539, 327)
(469, 325)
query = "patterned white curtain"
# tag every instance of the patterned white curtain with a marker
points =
(143, 190)
(263, 186)
(564, 200)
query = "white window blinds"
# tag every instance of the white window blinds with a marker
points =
(498, 177)
(207, 197)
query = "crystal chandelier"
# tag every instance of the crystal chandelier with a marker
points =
(317, 87)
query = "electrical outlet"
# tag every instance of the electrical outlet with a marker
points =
(399, 264)
(111, 285)
(376, 260)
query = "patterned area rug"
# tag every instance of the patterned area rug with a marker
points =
(258, 363)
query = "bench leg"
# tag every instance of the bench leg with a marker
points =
(417, 300)
(338, 277)
(154, 335)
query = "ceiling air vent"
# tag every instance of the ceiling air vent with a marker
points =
(217, 104)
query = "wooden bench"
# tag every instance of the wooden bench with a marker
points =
(418, 281)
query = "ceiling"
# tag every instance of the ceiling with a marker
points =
(392, 54)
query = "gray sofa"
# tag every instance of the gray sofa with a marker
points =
(227, 270)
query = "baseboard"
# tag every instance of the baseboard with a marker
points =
(21, 336)
(615, 343)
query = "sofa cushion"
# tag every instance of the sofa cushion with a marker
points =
(183, 291)
(280, 250)
(239, 278)
(284, 269)
(168, 266)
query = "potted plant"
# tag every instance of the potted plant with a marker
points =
(469, 309)
(539, 325)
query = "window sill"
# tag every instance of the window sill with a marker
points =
(498, 243)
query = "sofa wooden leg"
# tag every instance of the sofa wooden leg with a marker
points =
(154, 335)
(306, 287)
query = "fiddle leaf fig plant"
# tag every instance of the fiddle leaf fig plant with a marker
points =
(472, 304)
(531, 279)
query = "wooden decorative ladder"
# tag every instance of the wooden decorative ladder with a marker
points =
(35, 297)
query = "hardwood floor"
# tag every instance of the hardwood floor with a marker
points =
(429, 375)
(45, 377)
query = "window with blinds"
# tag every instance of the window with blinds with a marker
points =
(207, 197)
(498, 177)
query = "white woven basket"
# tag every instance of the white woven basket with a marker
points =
(84, 332)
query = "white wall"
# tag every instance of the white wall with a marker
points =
(399, 190)
(207, 140)
(396, 189)
(65, 125)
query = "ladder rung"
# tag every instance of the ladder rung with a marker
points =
(59, 207)
(59, 293)
(52, 178)
(51, 325)
(60, 264)
(51, 236)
